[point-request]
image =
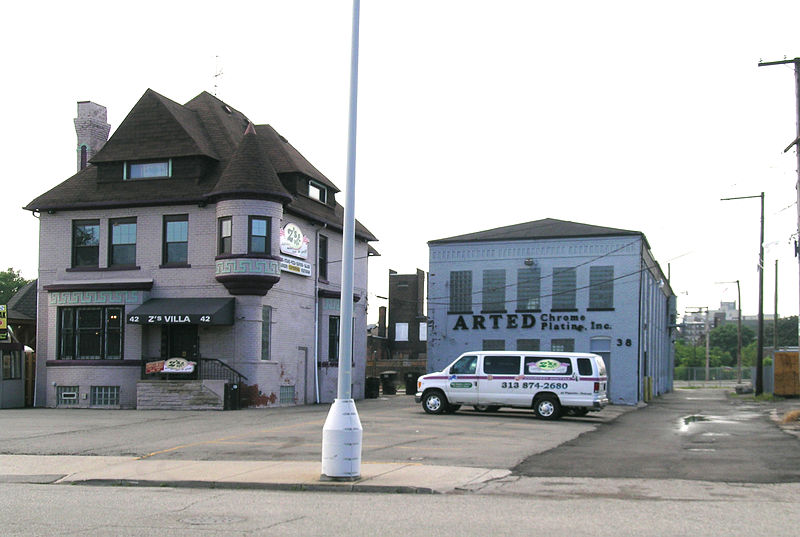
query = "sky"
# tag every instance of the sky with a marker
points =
(472, 115)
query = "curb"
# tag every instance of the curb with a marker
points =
(296, 487)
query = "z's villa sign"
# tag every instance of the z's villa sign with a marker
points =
(544, 321)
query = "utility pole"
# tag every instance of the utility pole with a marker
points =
(796, 62)
(759, 384)
(775, 317)
(738, 332)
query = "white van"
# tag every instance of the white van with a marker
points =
(551, 383)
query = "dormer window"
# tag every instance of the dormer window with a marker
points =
(152, 169)
(317, 191)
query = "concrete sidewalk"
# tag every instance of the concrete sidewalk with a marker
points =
(274, 475)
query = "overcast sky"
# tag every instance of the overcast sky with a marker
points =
(472, 115)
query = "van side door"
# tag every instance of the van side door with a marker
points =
(462, 381)
(501, 382)
(549, 374)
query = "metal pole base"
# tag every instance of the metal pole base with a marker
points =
(341, 443)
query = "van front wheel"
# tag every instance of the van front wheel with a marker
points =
(434, 402)
(547, 407)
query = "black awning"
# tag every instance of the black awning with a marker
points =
(206, 311)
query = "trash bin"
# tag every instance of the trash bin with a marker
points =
(387, 382)
(372, 388)
(411, 382)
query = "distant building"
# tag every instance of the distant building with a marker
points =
(558, 286)
(408, 326)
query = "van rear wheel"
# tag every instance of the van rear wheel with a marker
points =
(547, 407)
(434, 402)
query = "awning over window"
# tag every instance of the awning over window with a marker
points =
(206, 311)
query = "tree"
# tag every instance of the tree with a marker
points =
(787, 332)
(10, 282)
(724, 338)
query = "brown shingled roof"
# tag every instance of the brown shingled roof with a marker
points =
(157, 127)
(205, 129)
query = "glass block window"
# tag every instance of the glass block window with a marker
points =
(564, 284)
(494, 290)
(286, 395)
(601, 288)
(494, 345)
(562, 345)
(67, 395)
(527, 344)
(529, 289)
(461, 291)
(105, 396)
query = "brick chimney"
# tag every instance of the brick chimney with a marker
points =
(92, 129)
(382, 321)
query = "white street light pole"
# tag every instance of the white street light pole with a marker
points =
(341, 434)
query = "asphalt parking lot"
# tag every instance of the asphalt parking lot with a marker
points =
(395, 429)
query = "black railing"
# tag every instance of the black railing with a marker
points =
(214, 369)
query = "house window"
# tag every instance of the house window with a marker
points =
(494, 290)
(461, 291)
(258, 237)
(224, 232)
(528, 289)
(176, 239)
(122, 250)
(105, 395)
(286, 395)
(322, 257)
(266, 323)
(423, 331)
(333, 339)
(90, 333)
(601, 288)
(317, 191)
(564, 283)
(401, 331)
(148, 170)
(85, 243)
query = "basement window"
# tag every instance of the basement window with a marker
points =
(148, 170)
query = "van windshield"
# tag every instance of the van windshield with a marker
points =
(466, 365)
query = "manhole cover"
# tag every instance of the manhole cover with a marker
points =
(208, 520)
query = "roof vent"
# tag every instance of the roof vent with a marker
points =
(227, 109)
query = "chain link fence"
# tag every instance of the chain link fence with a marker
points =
(721, 376)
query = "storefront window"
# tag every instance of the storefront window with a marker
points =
(90, 333)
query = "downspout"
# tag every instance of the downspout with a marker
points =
(639, 357)
(316, 315)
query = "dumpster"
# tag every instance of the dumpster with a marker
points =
(372, 388)
(388, 379)
(411, 382)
